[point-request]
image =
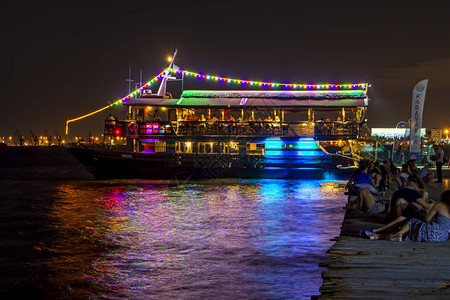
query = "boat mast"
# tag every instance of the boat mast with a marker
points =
(162, 87)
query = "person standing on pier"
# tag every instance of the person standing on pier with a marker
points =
(431, 153)
(439, 158)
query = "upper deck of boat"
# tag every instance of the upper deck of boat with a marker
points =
(287, 99)
(257, 113)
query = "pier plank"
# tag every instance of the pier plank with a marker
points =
(377, 269)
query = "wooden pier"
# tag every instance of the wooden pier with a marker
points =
(377, 269)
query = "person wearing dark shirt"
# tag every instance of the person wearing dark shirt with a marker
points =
(406, 203)
(439, 159)
(359, 178)
(408, 209)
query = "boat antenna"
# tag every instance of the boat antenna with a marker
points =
(162, 87)
(129, 79)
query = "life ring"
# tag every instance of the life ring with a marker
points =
(132, 126)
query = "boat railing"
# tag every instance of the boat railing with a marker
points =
(263, 128)
(320, 130)
(335, 128)
(267, 128)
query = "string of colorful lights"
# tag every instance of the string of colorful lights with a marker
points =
(272, 84)
(114, 103)
(328, 86)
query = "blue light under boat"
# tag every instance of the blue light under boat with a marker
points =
(307, 146)
(293, 153)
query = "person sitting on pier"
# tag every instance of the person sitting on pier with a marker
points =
(388, 172)
(412, 164)
(350, 186)
(367, 193)
(406, 203)
(435, 227)
(410, 201)
(401, 177)
(394, 169)
(425, 174)
(375, 172)
(385, 175)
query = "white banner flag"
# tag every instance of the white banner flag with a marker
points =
(418, 99)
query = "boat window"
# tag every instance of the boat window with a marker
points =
(204, 148)
(139, 114)
(255, 148)
(188, 147)
(233, 148)
(290, 116)
(302, 129)
(210, 148)
(160, 146)
(183, 147)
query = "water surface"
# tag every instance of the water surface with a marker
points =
(223, 239)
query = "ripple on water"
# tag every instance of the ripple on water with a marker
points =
(227, 239)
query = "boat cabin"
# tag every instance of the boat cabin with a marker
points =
(323, 115)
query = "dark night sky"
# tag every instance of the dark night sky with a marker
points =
(62, 59)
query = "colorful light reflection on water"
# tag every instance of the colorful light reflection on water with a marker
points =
(209, 240)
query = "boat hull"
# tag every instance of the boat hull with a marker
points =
(109, 164)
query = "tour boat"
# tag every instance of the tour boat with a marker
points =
(302, 131)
